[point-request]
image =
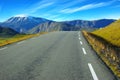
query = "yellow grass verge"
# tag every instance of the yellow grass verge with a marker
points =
(107, 54)
(17, 38)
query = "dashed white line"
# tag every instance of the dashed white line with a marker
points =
(3, 48)
(92, 72)
(20, 42)
(79, 38)
(33, 38)
(81, 42)
(84, 51)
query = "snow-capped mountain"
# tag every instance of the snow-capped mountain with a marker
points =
(23, 23)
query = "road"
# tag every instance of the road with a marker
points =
(53, 56)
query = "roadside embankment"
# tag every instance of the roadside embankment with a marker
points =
(109, 53)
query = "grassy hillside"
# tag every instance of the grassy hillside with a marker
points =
(111, 33)
(16, 38)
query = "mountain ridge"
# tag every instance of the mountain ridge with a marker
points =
(27, 24)
(75, 25)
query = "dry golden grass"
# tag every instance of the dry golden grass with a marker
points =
(16, 38)
(99, 45)
(111, 33)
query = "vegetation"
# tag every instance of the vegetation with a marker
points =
(16, 38)
(107, 52)
(111, 33)
(106, 42)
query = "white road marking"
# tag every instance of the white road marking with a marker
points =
(81, 42)
(3, 48)
(92, 72)
(21, 42)
(84, 51)
(33, 38)
(79, 38)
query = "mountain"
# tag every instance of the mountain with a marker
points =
(52, 26)
(111, 33)
(29, 24)
(74, 25)
(90, 24)
(7, 32)
(23, 24)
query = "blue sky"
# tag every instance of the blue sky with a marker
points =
(61, 10)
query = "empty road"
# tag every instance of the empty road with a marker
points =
(54, 56)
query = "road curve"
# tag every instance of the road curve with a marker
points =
(54, 56)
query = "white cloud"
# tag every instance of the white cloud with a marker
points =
(113, 16)
(65, 4)
(86, 7)
(21, 15)
(40, 6)
(71, 3)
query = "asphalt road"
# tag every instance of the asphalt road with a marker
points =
(53, 56)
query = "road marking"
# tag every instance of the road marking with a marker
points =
(84, 51)
(79, 38)
(81, 42)
(33, 38)
(92, 72)
(21, 42)
(3, 48)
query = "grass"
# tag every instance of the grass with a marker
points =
(17, 38)
(111, 33)
(104, 49)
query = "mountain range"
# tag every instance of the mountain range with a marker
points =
(29, 24)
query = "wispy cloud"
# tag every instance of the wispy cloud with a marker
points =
(70, 3)
(34, 9)
(86, 7)
(39, 5)
(112, 16)
(66, 4)
(21, 15)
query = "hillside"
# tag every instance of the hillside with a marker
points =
(90, 24)
(74, 25)
(52, 26)
(111, 33)
(7, 32)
